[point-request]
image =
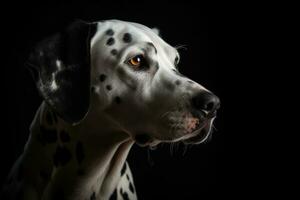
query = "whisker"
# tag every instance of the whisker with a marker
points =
(185, 146)
(181, 46)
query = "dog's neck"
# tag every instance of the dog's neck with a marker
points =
(96, 163)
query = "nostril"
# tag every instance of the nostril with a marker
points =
(206, 101)
(210, 106)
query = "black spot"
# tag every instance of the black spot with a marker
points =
(64, 136)
(177, 82)
(123, 169)
(127, 37)
(93, 89)
(49, 118)
(131, 188)
(61, 156)
(114, 52)
(118, 100)
(114, 195)
(44, 175)
(125, 195)
(93, 196)
(110, 41)
(108, 87)
(102, 77)
(191, 82)
(127, 176)
(79, 152)
(46, 135)
(109, 32)
(80, 172)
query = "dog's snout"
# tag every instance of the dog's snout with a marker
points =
(206, 101)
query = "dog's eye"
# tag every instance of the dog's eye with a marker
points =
(137, 61)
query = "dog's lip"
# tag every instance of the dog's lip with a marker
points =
(200, 134)
(203, 114)
(200, 127)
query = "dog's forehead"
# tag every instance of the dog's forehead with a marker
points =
(131, 32)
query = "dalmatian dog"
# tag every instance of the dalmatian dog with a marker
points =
(106, 85)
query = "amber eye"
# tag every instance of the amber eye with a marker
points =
(137, 61)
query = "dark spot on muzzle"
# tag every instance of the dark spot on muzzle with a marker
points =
(177, 82)
(168, 84)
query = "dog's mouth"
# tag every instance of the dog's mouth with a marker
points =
(200, 134)
(201, 124)
(192, 127)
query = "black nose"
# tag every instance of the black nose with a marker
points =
(206, 101)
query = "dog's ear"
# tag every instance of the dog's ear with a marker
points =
(156, 31)
(61, 68)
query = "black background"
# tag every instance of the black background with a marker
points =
(159, 174)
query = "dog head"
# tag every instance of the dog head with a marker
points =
(129, 74)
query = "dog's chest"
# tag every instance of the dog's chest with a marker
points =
(72, 172)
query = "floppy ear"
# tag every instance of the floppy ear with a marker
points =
(61, 68)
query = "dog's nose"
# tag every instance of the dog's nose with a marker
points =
(206, 101)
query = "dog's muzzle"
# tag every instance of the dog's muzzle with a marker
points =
(204, 107)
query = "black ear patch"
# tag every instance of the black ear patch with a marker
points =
(62, 65)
